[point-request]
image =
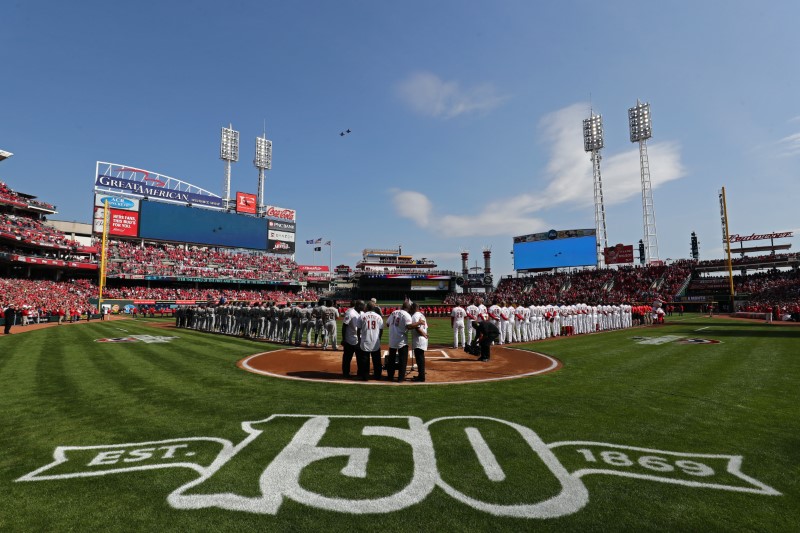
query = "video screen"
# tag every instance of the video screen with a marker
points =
(179, 223)
(557, 253)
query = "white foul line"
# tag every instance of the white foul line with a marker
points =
(701, 329)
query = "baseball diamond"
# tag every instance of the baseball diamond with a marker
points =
(439, 310)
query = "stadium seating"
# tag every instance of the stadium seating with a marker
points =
(126, 258)
(32, 231)
(628, 284)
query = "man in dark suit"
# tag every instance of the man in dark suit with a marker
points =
(487, 333)
(10, 315)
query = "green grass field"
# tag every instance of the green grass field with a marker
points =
(647, 433)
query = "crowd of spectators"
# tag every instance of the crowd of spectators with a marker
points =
(216, 295)
(747, 260)
(47, 298)
(126, 258)
(33, 231)
(10, 196)
(50, 297)
(628, 284)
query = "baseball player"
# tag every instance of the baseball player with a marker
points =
(399, 323)
(371, 326)
(329, 316)
(472, 314)
(350, 332)
(494, 318)
(457, 316)
(419, 341)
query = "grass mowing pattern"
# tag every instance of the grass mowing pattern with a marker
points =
(59, 387)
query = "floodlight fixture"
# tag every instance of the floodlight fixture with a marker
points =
(263, 158)
(641, 129)
(639, 122)
(263, 162)
(228, 152)
(593, 133)
(229, 145)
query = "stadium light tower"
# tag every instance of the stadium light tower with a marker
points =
(228, 152)
(593, 143)
(641, 129)
(263, 162)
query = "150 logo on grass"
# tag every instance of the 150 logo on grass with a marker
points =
(367, 464)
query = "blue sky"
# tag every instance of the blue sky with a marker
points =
(465, 115)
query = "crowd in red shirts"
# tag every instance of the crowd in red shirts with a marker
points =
(9, 195)
(42, 299)
(231, 295)
(152, 259)
(747, 260)
(625, 284)
(33, 231)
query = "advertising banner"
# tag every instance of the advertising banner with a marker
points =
(120, 223)
(619, 254)
(279, 225)
(280, 236)
(280, 247)
(116, 202)
(246, 203)
(314, 271)
(429, 285)
(155, 189)
(281, 213)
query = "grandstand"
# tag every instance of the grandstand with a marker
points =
(53, 266)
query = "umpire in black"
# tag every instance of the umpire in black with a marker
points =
(487, 334)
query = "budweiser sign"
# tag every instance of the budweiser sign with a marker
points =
(283, 214)
(763, 237)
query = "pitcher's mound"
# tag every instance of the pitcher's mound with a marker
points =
(442, 365)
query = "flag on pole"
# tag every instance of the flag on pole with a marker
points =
(317, 241)
(318, 249)
(310, 242)
(328, 243)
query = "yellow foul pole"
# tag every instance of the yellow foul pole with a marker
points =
(727, 244)
(103, 251)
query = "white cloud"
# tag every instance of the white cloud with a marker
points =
(568, 175)
(412, 205)
(429, 95)
(790, 146)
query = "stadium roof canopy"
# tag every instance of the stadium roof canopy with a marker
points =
(5, 155)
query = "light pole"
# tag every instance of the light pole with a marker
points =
(263, 162)
(228, 152)
(641, 129)
(593, 143)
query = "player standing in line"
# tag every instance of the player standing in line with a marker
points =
(472, 315)
(350, 335)
(329, 316)
(483, 313)
(494, 318)
(457, 316)
(398, 322)
(521, 323)
(419, 341)
(371, 326)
